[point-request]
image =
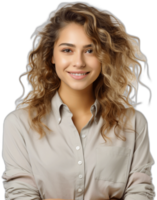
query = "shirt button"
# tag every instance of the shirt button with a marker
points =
(77, 148)
(79, 162)
(80, 176)
(79, 190)
(83, 136)
(59, 119)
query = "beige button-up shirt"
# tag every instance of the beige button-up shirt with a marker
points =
(67, 165)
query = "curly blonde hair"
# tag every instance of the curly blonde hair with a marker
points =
(116, 50)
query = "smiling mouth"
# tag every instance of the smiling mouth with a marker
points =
(78, 73)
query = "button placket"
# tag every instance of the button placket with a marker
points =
(77, 148)
(83, 136)
(79, 162)
(80, 176)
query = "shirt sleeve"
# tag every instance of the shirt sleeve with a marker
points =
(139, 185)
(19, 181)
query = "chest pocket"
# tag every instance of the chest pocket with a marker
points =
(112, 163)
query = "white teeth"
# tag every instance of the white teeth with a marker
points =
(78, 74)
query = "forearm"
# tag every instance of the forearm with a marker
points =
(56, 199)
(64, 199)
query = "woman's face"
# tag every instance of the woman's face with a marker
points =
(75, 57)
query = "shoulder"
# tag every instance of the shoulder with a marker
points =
(16, 115)
(140, 119)
(16, 125)
(141, 125)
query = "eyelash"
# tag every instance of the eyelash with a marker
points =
(70, 49)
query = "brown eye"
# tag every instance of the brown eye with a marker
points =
(64, 50)
(67, 50)
(90, 50)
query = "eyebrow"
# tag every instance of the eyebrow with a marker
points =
(72, 45)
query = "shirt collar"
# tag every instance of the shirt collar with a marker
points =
(57, 103)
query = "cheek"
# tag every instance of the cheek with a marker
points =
(63, 63)
(96, 67)
(61, 70)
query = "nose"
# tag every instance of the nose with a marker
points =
(79, 59)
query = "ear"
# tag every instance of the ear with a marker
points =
(52, 60)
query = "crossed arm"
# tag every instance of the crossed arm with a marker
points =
(63, 199)
(55, 199)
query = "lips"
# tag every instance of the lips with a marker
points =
(78, 73)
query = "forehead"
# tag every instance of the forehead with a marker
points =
(73, 33)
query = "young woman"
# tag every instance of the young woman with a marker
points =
(93, 143)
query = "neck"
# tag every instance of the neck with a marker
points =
(78, 101)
